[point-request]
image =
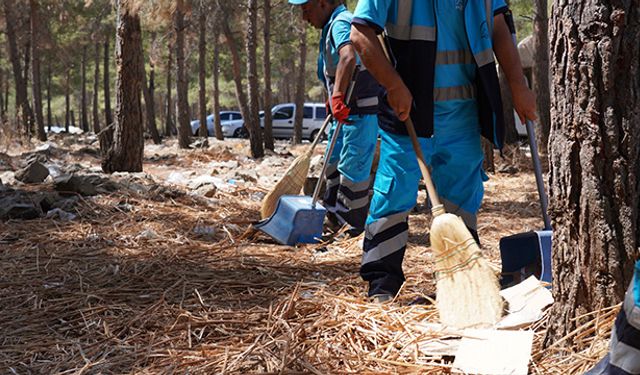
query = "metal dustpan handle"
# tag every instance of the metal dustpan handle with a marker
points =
(537, 167)
(334, 139)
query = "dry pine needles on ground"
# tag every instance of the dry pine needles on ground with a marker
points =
(148, 284)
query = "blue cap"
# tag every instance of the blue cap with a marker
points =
(298, 2)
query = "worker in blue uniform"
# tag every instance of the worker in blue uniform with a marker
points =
(347, 194)
(624, 350)
(440, 70)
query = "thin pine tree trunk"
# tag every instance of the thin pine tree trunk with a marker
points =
(108, 116)
(184, 128)
(21, 100)
(67, 102)
(216, 87)
(297, 125)
(49, 115)
(168, 126)
(35, 71)
(202, 71)
(84, 122)
(147, 91)
(268, 123)
(252, 121)
(96, 87)
(541, 73)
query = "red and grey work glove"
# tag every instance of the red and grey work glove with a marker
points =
(340, 110)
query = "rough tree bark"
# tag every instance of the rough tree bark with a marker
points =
(216, 87)
(594, 156)
(184, 128)
(22, 102)
(125, 155)
(541, 73)
(252, 120)
(268, 123)
(202, 70)
(84, 121)
(96, 87)
(297, 124)
(35, 71)
(148, 91)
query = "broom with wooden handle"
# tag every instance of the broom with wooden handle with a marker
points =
(293, 180)
(467, 288)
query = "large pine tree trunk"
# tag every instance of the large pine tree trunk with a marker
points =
(84, 121)
(149, 101)
(268, 123)
(96, 87)
(252, 121)
(184, 128)
(541, 73)
(126, 153)
(22, 102)
(168, 126)
(297, 125)
(216, 87)
(594, 156)
(202, 71)
(35, 71)
(27, 65)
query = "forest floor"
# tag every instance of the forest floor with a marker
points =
(156, 277)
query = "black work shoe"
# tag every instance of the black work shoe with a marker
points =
(424, 300)
(381, 298)
(331, 222)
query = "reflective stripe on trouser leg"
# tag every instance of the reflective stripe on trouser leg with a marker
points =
(356, 156)
(329, 199)
(353, 202)
(386, 231)
(624, 351)
(332, 175)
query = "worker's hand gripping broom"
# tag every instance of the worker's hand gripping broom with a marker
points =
(293, 180)
(468, 293)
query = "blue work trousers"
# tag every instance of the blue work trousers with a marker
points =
(347, 193)
(455, 157)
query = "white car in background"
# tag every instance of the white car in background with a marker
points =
(284, 115)
(231, 122)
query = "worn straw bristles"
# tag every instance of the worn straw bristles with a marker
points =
(468, 294)
(290, 184)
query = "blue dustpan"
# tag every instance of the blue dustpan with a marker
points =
(296, 220)
(526, 254)
(299, 218)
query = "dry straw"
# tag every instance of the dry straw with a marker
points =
(293, 180)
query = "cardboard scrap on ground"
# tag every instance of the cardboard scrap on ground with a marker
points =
(495, 352)
(526, 302)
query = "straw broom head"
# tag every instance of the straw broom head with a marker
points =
(468, 293)
(290, 184)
